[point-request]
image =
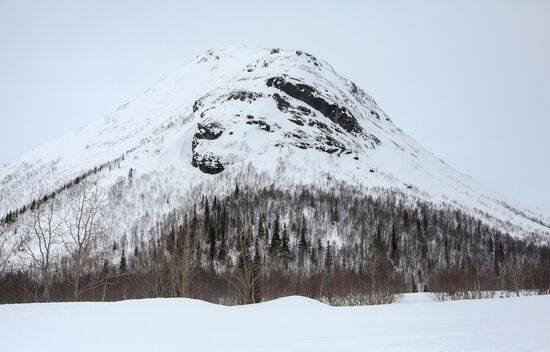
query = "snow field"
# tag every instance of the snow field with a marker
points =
(416, 323)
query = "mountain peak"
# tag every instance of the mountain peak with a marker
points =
(285, 113)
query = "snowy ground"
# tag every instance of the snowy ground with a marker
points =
(415, 323)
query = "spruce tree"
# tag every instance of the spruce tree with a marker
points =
(394, 247)
(122, 265)
(334, 214)
(303, 230)
(329, 259)
(405, 220)
(222, 254)
(206, 215)
(212, 242)
(261, 232)
(275, 246)
(285, 247)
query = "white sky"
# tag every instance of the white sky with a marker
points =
(469, 80)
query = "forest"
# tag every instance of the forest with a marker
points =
(338, 245)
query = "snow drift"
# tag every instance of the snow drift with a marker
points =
(289, 324)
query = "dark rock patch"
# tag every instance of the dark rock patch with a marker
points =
(297, 113)
(264, 126)
(309, 95)
(282, 103)
(320, 125)
(197, 105)
(297, 120)
(243, 95)
(208, 164)
(210, 131)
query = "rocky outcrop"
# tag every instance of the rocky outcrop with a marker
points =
(309, 95)
(207, 163)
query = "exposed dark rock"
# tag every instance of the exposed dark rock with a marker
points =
(210, 131)
(307, 94)
(297, 120)
(282, 103)
(197, 105)
(275, 50)
(304, 110)
(324, 142)
(320, 125)
(373, 139)
(259, 122)
(208, 164)
(297, 113)
(243, 95)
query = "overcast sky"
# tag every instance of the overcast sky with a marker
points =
(469, 80)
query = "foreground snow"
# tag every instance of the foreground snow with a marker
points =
(416, 323)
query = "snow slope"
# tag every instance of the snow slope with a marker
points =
(282, 112)
(288, 324)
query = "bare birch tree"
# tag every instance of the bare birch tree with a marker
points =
(246, 276)
(7, 247)
(85, 233)
(42, 229)
(181, 261)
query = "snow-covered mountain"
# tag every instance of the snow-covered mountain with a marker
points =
(238, 111)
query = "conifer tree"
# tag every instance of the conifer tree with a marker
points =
(334, 214)
(275, 246)
(223, 221)
(329, 259)
(303, 230)
(122, 265)
(394, 247)
(206, 215)
(261, 231)
(302, 244)
(212, 242)
(222, 254)
(285, 245)
(405, 220)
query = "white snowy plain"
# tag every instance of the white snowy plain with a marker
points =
(415, 323)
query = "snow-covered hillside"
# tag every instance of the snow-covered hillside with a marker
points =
(288, 324)
(285, 113)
